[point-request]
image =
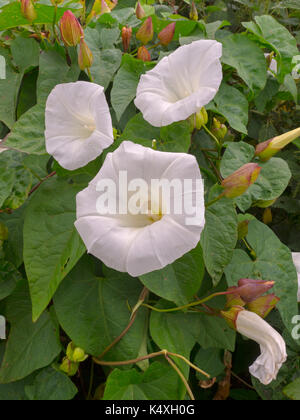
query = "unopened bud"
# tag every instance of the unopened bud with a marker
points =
(3, 232)
(70, 29)
(263, 305)
(239, 182)
(233, 298)
(145, 33)
(28, 10)
(79, 355)
(251, 289)
(243, 228)
(219, 129)
(198, 120)
(269, 148)
(140, 12)
(167, 34)
(99, 8)
(194, 12)
(126, 37)
(267, 216)
(231, 316)
(143, 54)
(85, 56)
(68, 367)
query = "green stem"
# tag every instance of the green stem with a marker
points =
(219, 145)
(90, 75)
(214, 201)
(91, 381)
(54, 24)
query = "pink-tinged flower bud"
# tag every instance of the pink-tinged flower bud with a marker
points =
(126, 37)
(145, 33)
(167, 34)
(269, 148)
(218, 129)
(140, 12)
(143, 54)
(99, 8)
(28, 10)
(251, 289)
(263, 305)
(194, 12)
(70, 29)
(233, 298)
(238, 182)
(231, 316)
(85, 56)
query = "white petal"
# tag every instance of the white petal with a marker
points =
(136, 244)
(78, 124)
(272, 345)
(181, 84)
(296, 259)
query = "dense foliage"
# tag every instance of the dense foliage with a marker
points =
(70, 319)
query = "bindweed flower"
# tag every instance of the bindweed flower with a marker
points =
(126, 37)
(272, 345)
(78, 124)
(181, 84)
(28, 10)
(296, 259)
(70, 29)
(140, 12)
(143, 54)
(238, 183)
(194, 12)
(269, 148)
(85, 56)
(167, 34)
(146, 32)
(263, 305)
(132, 226)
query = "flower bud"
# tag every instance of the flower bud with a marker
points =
(70, 29)
(238, 182)
(167, 34)
(194, 12)
(68, 367)
(140, 12)
(269, 148)
(28, 10)
(233, 298)
(263, 305)
(243, 228)
(85, 56)
(267, 216)
(3, 232)
(145, 33)
(251, 289)
(99, 8)
(79, 355)
(231, 316)
(143, 54)
(126, 37)
(219, 130)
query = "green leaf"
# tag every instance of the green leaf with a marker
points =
(219, 237)
(210, 361)
(30, 346)
(233, 105)
(52, 246)
(9, 88)
(12, 17)
(180, 281)
(273, 262)
(126, 82)
(173, 138)
(247, 58)
(51, 385)
(292, 391)
(93, 311)
(27, 134)
(25, 52)
(54, 70)
(106, 61)
(159, 382)
(9, 277)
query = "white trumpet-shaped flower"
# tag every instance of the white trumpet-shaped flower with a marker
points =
(272, 345)
(296, 259)
(131, 220)
(181, 83)
(78, 124)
